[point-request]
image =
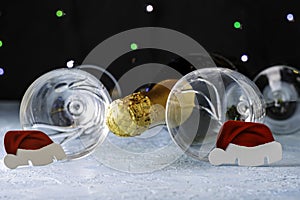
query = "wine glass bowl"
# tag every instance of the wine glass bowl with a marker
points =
(69, 105)
(280, 86)
(219, 95)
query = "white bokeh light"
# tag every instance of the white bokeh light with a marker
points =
(70, 63)
(149, 8)
(290, 17)
(244, 58)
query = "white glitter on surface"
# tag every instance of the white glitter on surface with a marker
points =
(186, 178)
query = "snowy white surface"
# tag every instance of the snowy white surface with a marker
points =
(186, 178)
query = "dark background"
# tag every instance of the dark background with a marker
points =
(35, 40)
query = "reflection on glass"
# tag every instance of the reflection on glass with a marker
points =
(70, 106)
(280, 86)
(219, 95)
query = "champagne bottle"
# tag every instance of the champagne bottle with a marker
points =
(140, 111)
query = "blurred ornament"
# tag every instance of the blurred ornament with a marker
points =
(280, 86)
(219, 95)
(70, 106)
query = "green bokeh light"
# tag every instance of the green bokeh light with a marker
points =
(1, 43)
(133, 46)
(237, 25)
(59, 13)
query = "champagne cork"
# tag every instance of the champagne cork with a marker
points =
(138, 112)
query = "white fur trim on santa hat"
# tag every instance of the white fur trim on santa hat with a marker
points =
(247, 156)
(42, 156)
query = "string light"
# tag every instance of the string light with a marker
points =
(1, 43)
(244, 58)
(149, 8)
(133, 46)
(1, 71)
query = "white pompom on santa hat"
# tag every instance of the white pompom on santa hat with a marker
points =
(24, 146)
(245, 144)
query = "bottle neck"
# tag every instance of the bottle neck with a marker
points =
(159, 93)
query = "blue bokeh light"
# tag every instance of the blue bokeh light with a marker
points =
(1, 71)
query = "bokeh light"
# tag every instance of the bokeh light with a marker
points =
(59, 13)
(1, 71)
(149, 8)
(133, 46)
(237, 25)
(244, 58)
(70, 63)
(290, 17)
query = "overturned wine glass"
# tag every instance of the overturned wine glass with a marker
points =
(70, 106)
(219, 95)
(280, 86)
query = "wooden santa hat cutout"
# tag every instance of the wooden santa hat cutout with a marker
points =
(32, 146)
(245, 144)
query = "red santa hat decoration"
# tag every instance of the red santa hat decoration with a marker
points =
(32, 145)
(246, 144)
(242, 143)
